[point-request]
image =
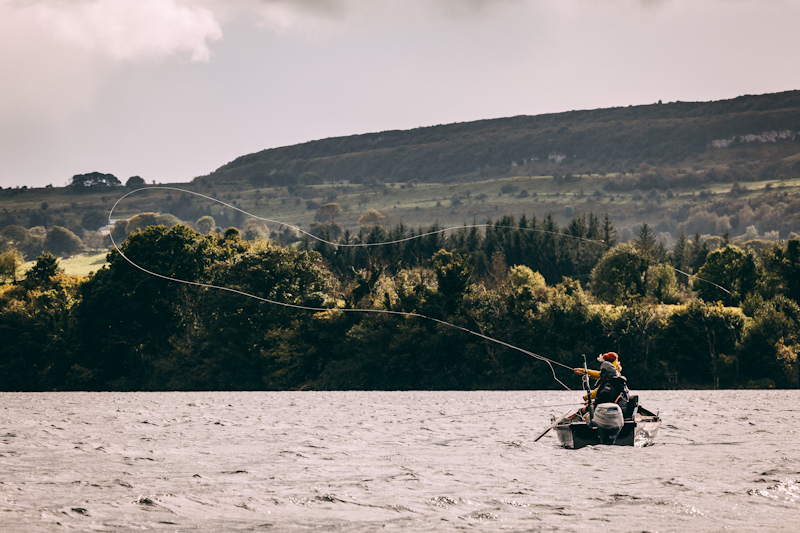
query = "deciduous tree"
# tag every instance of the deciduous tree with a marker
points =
(620, 275)
(135, 182)
(10, 262)
(328, 212)
(144, 220)
(371, 217)
(93, 220)
(61, 241)
(206, 224)
(782, 269)
(93, 180)
(42, 273)
(735, 270)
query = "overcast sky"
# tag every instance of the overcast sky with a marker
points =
(173, 89)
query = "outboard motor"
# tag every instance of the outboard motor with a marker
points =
(609, 420)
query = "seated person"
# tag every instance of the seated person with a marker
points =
(611, 384)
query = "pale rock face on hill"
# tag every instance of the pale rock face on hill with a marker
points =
(767, 136)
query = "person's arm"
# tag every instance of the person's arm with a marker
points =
(594, 374)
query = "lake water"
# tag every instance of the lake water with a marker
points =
(361, 461)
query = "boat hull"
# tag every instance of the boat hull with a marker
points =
(575, 433)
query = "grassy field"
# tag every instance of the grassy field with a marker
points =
(59, 200)
(420, 205)
(79, 265)
(426, 203)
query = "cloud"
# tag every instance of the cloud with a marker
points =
(127, 29)
(312, 15)
(56, 55)
(472, 8)
(40, 76)
(285, 15)
(653, 3)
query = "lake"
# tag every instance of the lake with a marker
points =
(418, 461)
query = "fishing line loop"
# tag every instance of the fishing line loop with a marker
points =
(539, 357)
(550, 362)
(397, 241)
(503, 410)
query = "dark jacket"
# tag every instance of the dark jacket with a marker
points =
(612, 387)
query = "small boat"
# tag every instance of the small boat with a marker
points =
(574, 430)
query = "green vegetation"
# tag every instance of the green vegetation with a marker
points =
(93, 180)
(743, 139)
(10, 264)
(122, 329)
(206, 224)
(718, 167)
(78, 265)
(711, 189)
(767, 210)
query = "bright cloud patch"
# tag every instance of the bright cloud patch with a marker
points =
(131, 29)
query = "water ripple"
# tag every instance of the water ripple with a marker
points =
(360, 461)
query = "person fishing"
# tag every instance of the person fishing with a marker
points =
(611, 386)
(611, 398)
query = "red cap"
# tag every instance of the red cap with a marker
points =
(609, 356)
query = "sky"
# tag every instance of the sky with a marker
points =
(173, 89)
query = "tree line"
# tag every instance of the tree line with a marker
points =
(556, 291)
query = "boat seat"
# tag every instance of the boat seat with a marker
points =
(632, 407)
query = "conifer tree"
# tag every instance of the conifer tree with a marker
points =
(679, 256)
(609, 232)
(646, 242)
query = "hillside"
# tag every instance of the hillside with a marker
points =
(758, 133)
(731, 166)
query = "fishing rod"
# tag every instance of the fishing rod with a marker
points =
(587, 387)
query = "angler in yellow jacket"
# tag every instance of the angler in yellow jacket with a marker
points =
(612, 368)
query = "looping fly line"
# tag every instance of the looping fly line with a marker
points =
(405, 239)
(539, 357)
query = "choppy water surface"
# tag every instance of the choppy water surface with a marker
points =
(359, 461)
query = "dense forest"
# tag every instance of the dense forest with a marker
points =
(686, 317)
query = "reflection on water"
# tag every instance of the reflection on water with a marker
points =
(357, 461)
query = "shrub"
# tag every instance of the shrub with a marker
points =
(61, 241)
(620, 275)
(93, 220)
(10, 261)
(145, 220)
(728, 275)
(206, 224)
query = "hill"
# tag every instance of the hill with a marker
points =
(717, 167)
(752, 136)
